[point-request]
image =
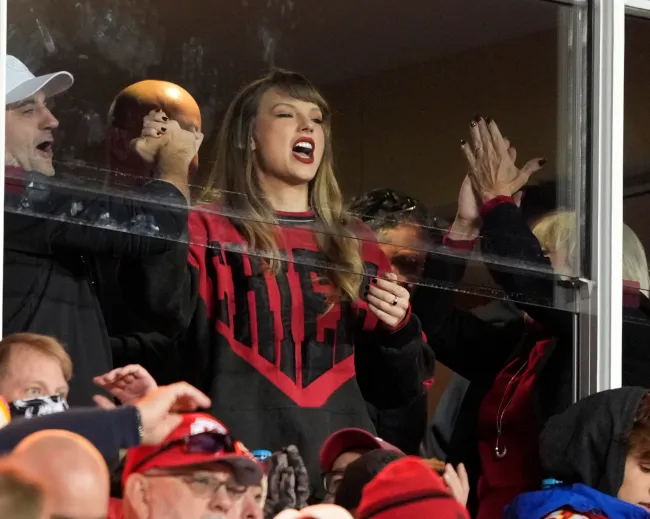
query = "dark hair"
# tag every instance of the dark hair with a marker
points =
(538, 200)
(361, 472)
(639, 439)
(384, 208)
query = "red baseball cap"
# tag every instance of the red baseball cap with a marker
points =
(347, 440)
(409, 488)
(248, 471)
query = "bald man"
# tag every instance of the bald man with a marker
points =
(73, 472)
(125, 123)
(21, 496)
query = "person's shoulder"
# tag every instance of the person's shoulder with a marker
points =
(210, 220)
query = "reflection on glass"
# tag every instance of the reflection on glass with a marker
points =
(400, 101)
(210, 220)
(636, 239)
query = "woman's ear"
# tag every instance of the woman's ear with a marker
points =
(137, 496)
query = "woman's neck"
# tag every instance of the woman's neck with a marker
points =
(285, 197)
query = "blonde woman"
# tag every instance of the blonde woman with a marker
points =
(289, 313)
(535, 383)
(556, 234)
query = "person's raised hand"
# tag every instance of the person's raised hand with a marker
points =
(128, 384)
(161, 409)
(388, 300)
(491, 161)
(171, 148)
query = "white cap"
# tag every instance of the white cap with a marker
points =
(21, 83)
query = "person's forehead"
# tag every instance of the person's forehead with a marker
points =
(36, 365)
(21, 353)
(216, 468)
(346, 458)
(37, 98)
(275, 96)
(213, 467)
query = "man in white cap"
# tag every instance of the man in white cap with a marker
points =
(55, 228)
(29, 122)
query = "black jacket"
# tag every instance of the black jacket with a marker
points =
(596, 456)
(52, 230)
(479, 351)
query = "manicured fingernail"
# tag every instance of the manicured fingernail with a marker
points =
(542, 162)
(365, 291)
(463, 142)
(473, 123)
(489, 120)
(163, 129)
(165, 118)
(374, 281)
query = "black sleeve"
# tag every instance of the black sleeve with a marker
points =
(156, 353)
(391, 369)
(163, 290)
(108, 430)
(506, 235)
(404, 426)
(46, 216)
(463, 342)
(392, 366)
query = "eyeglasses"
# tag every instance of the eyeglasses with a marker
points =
(331, 481)
(209, 442)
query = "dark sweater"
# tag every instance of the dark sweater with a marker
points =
(279, 366)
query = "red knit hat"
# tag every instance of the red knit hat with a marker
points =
(409, 489)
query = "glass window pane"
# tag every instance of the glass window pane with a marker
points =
(275, 260)
(636, 195)
(403, 86)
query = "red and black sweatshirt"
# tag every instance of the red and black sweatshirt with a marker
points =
(281, 365)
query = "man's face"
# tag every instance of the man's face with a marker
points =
(407, 262)
(333, 478)
(205, 492)
(30, 374)
(636, 482)
(28, 135)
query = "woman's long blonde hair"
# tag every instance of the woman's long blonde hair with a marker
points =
(557, 231)
(234, 182)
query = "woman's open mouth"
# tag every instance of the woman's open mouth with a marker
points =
(303, 150)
